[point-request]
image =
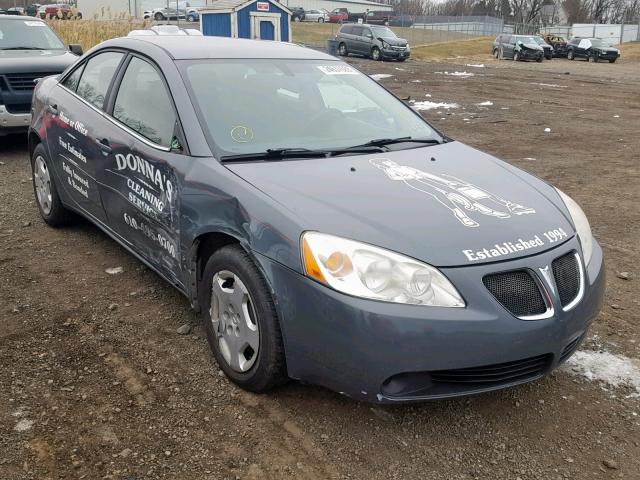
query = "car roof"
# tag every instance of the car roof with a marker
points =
(19, 17)
(203, 47)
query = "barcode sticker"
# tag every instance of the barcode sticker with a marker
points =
(337, 70)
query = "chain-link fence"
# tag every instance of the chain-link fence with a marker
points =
(426, 30)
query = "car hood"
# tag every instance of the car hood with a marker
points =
(35, 61)
(531, 46)
(396, 42)
(447, 205)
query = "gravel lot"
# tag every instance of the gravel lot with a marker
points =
(98, 384)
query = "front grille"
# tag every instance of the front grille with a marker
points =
(18, 108)
(492, 375)
(570, 348)
(566, 272)
(25, 81)
(402, 49)
(517, 291)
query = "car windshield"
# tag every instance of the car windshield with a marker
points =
(596, 42)
(27, 35)
(526, 40)
(253, 105)
(539, 41)
(383, 32)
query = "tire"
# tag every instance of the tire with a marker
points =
(386, 23)
(158, 17)
(342, 50)
(191, 18)
(296, 19)
(592, 59)
(496, 54)
(49, 204)
(501, 54)
(232, 268)
(539, 60)
(516, 57)
(402, 59)
(321, 20)
(613, 60)
(570, 55)
(375, 54)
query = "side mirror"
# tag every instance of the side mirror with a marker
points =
(75, 48)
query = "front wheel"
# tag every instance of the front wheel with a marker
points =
(539, 60)
(191, 18)
(592, 59)
(516, 56)
(321, 20)
(158, 17)
(50, 206)
(241, 321)
(342, 50)
(376, 55)
(570, 55)
(496, 54)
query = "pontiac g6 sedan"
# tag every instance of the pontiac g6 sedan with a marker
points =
(321, 228)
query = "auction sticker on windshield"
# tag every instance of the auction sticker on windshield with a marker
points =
(337, 70)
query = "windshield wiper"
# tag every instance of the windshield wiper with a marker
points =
(21, 48)
(274, 154)
(383, 142)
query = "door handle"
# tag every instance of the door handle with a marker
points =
(103, 144)
(53, 109)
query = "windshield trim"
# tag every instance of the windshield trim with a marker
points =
(219, 152)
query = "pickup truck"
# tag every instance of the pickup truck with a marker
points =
(29, 51)
(342, 15)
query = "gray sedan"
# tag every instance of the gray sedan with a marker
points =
(321, 229)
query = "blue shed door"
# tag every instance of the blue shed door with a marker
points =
(267, 30)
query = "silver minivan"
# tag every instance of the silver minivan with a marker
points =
(375, 41)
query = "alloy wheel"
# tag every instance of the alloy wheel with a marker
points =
(234, 321)
(42, 181)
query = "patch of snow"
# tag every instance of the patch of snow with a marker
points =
(504, 108)
(114, 270)
(547, 129)
(529, 158)
(552, 85)
(616, 116)
(457, 74)
(416, 81)
(485, 104)
(23, 425)
(428, 95)
(379, 76)
(428, 105)
(401, 69)
(613, 370)
(479, 65)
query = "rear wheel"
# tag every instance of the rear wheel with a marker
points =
(49, 204)
(592, 59)
(342, 50)
(516, 56)
(296, 19)
(158, 17)
(539, 60)
(496, 54)
(570, 55)
(241, 321)
(321, 20)
(191, 18)
(375, 54)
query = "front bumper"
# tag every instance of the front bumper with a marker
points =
(13, 120)
(526, 54)
(362, 348)
(395, 54)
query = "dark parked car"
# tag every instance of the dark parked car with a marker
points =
(29, 50)
(548, 49)
(517, 47)
(297, 14)
(379, 17)
(343, 242)
(592, 49)
(374, 41)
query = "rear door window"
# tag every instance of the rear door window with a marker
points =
(144, 105)
(97, 76)
(357, 31)
(346, 29)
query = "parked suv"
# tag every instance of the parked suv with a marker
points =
(373, 41)
(593, 49)
(29, 50)
(517, 47)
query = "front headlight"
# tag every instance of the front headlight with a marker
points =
(371, 272)
(581, 224)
